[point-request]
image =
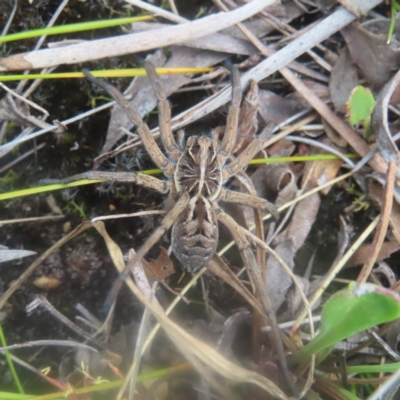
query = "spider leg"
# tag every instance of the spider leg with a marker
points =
(166, 223)
(164, 113)
(247, 154)
(250, 263)
(139, 179)
(144, 132)
(228, 141)
(248, 200)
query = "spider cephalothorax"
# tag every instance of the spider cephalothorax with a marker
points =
(198, 170)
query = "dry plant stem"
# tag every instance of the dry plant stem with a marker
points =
(39, 43)
(143, 329)
(174, 17)
(334, 271)
(9, 146)
(383, 224)
(132, 43)
(138, 214)
(285, 28)
(387, 390)
(323, 146)
(10, 19)
(42, 301)
(392, 354)
(62, 343)
(31, 103)
(32, 219)
(20, 158)
(290, 129)
(173, 6)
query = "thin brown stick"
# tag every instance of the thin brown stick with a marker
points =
(382, 226)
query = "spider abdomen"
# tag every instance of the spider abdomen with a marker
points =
(195, 234)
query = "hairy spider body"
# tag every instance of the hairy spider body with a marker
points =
(196, 173)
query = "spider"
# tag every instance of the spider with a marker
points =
(196, 172)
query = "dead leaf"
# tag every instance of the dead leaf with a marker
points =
(248, 123)
(375, 191)
(277, 280)
(353, 7)
(369, 50)
(303, 218)
(334, 136)
(322, 171)
(343, 80)
(159, 269)
(276, 109)
(380, 126)
(322, 91)
(294, 298)
(386, 271)
(271, 179)
(364, 251)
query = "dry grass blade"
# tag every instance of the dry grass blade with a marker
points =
(219, 268)
(383, 224)
(187, 344)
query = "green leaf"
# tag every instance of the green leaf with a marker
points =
(350, 311)
(360, 105)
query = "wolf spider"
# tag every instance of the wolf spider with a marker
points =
(195, 172)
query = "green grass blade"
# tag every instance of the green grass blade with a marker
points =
(100, 386)
(70, 28)
(316, 157)
(108, 73)
(10, 362)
